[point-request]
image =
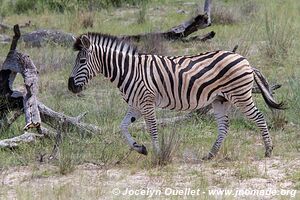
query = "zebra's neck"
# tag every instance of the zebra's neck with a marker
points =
(115, 58)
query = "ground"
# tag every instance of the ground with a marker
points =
(90, 181)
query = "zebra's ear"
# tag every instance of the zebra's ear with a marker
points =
(85, 41)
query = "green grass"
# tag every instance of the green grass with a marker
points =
(255, 33)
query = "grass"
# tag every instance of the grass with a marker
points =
(255, 32)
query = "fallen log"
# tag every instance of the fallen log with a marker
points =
(5, 27)
(200, 21)
(178, 32)
(53, 119)
(36, 112)
(201, 38)
(26, 137)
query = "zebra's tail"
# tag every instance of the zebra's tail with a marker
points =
(265, 90)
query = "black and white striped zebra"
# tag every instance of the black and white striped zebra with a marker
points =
(147, 81)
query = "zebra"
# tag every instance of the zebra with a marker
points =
(181, 83)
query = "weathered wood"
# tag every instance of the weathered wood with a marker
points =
(4, 27)
(201, 38)
(16, 38)
(26, 137)
(30, 75)
(181, 31)
(4, 39)
(53, 119)
(35, 111)
(207, 10)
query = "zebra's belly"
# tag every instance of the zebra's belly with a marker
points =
(184, 104)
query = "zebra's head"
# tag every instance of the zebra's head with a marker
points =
(81, 72)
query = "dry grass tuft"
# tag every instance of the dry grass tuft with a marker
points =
(169, 144)
(222, 14)
(278, 120)
(87, 20)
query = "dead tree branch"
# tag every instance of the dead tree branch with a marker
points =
(53, 119)
(202, 38)
(183, 30)
(26, 137)
(30, 75)
(207, 10)
(35, 111)
(178, 32)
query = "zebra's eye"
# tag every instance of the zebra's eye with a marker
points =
(82, 61)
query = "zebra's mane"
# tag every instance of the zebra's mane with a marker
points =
(124, 43)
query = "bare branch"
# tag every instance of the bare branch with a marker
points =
(53, 118)
(15, 141)
(202, 38)
(182, 30)
(26, 137)
(4, 27)
(30, 75)
(15, 38)
(207, 10)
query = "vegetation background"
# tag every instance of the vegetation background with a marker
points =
(86, 167)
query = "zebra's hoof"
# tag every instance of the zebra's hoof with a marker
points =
(268, 152)
(209, 156)
(143, 150)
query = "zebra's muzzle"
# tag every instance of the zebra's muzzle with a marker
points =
(72, 87)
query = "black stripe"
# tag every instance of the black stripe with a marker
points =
(219, 75)
(121, 75)
(152, 76)
(132, 72)
(171, 80)
(161, 78)
(232, 80)
(238, 87)
(203, 58)
(202, 72)
(115, 66)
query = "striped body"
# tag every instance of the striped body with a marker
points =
(146, 81)
(193, 82)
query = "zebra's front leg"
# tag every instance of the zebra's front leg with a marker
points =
(150, 119)
(131, 116)
(220, 108)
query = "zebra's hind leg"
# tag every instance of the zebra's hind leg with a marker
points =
(252, 113)
(220, 108)
(131, 116)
